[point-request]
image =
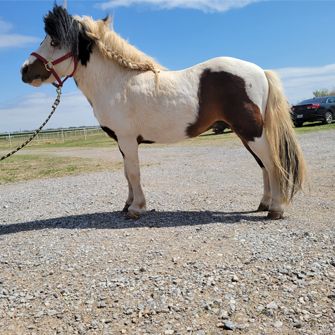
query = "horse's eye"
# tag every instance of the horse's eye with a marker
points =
(54, 43)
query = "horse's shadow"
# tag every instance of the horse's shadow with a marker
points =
(117, 220)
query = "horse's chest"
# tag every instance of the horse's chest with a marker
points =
(111, 116)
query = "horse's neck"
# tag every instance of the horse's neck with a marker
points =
(100, 76)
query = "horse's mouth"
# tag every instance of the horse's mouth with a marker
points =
(36, 82)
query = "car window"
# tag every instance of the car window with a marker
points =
(313, 101)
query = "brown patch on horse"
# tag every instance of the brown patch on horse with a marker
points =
(223, 97)
(109, 132)
(258, 160)
(33, 71)
(140, 140)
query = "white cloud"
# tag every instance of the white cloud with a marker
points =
(203, 5)
(33, 109)
(5, 26)
(11, 40)
(300, 82)
(16, 40)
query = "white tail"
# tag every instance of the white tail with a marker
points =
(290, 167)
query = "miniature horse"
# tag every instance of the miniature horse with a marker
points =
(138, 101)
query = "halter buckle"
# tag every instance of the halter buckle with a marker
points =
(49, 66)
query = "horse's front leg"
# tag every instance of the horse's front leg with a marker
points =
(136, 201)
(130, 198)
(130, 189)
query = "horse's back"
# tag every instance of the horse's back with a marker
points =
(252, 75)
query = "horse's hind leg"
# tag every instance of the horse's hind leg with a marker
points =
(261, 148)
(266, 199)
(136, 201)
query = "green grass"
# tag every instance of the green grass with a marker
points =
(25, 167)
(93, 141)
(314, 126)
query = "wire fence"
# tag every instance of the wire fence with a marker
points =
(11, 140)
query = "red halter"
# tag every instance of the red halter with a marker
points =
(49, 66)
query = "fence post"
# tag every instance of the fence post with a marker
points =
(63, 137)
(10, 140)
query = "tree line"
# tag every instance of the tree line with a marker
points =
(323, 92)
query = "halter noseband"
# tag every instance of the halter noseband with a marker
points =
(49, 66)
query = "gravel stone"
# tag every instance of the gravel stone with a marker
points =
(229, 325)
(278, 324)
(272, 305)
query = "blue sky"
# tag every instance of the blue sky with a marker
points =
(296, 38)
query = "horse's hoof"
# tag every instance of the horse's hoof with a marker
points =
(262, 207)
(125, 208)
(133, 216)
(275, 215)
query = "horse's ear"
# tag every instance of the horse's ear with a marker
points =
(108, 21)
(85, 46)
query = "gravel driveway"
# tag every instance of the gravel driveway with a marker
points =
(202, 263)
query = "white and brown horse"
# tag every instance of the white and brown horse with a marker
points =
(138, 101)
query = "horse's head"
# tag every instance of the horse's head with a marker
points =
(65, 44)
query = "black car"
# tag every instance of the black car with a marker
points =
(316, 109)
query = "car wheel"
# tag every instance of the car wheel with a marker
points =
(298, 124)
(328, 118)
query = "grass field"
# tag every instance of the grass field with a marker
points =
(25, 167)
(34, 164)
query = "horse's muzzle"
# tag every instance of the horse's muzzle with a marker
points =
(34, 71)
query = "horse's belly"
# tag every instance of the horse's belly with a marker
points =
(167, 125)
(164, 132)
(165, 136)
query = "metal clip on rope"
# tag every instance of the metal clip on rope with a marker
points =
(53, 109)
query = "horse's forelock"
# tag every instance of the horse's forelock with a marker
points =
(62, 27)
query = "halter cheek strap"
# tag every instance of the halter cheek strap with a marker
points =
(49, 66)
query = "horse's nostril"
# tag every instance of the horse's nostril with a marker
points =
(24, 69)
(24, 72)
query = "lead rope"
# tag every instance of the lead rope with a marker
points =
(53, 109)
